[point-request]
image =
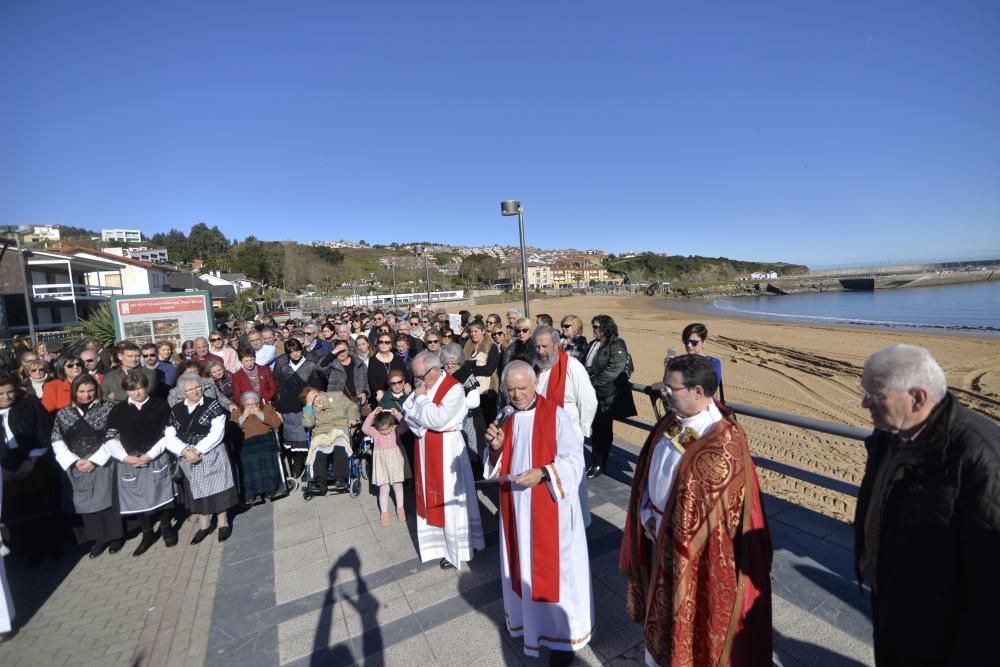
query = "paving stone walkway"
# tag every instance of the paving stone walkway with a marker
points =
(322, 583)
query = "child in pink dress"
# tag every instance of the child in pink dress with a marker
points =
(389, 465)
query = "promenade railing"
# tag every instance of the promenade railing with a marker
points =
(830, 428)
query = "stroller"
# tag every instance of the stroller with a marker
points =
(359, 467)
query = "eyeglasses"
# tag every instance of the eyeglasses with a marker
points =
(37, 370)
(432, 341)
(395, 382)
(214, 340)
(497, 334)
(192, 389)
(523, 330)
(425, 321)
(428, 372)
(71, 364)
(89, 361)
(385, 342)
(447, 335)
(869, 397)
(693, 342)
(669, 390)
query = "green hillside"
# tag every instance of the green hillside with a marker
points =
(649, 267)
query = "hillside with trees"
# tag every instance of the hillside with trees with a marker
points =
(650, 267)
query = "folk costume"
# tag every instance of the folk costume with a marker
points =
(568, 385)
(81, 432)
(544, 560)
(208, 487)
(701, 588)
(146, 492)
(448, 522)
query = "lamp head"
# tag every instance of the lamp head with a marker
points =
(510, 207)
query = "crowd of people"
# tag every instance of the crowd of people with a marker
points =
(101, 442)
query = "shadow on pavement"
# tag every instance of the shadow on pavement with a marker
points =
(364, 603)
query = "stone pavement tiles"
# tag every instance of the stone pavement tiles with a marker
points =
(115, 609)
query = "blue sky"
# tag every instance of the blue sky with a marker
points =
(816, 132)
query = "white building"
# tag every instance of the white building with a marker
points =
(121, 235)
(131, 276)
(43, 234)
(142, 253)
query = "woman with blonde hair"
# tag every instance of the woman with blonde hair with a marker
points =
(573, 341)
(523, 345)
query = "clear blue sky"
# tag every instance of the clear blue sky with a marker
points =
(817, 132)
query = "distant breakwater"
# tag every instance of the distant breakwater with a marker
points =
(805, 285)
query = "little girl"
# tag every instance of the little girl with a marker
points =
(389, 466)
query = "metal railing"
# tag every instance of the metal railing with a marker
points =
(830, 428)
(67, 291)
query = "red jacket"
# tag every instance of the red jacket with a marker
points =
(242, 383)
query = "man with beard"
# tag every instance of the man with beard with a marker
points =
(564, 381)
(696, 549)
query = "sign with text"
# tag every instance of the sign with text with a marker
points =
(171, 316)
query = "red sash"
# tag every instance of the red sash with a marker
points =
(544, 508)
(556, 389)
(431, 506)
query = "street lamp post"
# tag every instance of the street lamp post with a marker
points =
(393, 267)
(422, 250)
(513, 207)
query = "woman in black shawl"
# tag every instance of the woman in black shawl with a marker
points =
(293, 373)
(194, 434)
(145, 489)
(79, 437)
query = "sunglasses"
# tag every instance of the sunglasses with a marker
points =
(385, 342)
(71, 365)
(89, 361)
(497, 334)
(395, 382)
(523, 330)
(149, 356)
(432, 341)
(214, 340)
(693, 342)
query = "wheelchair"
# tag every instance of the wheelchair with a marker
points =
(359, 468)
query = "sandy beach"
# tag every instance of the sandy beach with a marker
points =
(804, 369)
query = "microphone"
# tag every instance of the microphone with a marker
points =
(504, 414)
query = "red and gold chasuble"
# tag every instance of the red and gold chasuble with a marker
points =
(544, 508)
(430, 492)
(703, 591)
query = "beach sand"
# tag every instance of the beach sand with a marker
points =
(805, 369)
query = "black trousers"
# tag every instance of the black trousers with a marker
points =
(341, 466)
(601, 437)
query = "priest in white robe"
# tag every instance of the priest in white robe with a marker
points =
(564, 380)
(448, 523)
(544, 561)
(6, 599)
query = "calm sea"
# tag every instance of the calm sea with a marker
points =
(969, 308)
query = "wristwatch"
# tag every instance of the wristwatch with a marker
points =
(545, 474)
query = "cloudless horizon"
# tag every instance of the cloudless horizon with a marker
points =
(815, 133)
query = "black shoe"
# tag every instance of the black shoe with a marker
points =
(201, 534)
(561, 658)
(225, 532)
(169, 535)
(339, 486)
(316, 489)
(594, 471)
(148, 540)
(116, 546)
(97, 549)
(445, 565)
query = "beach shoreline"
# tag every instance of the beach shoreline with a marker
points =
(811, 370)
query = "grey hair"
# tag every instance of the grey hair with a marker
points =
(452, 352)
(545, 330)
(905, 367)
(428, 360)
(310, 327)
(517, 366)
(187, 379)
(514, 310)
(249, 394)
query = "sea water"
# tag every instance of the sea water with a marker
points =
(970, 307)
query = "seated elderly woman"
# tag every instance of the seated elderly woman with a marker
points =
(259, 460)
(194, 434)
(330, 415)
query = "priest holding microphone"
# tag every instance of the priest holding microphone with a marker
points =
(537, 455)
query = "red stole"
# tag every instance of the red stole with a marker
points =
(430, 493)
(556, 389)
(544, 508)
